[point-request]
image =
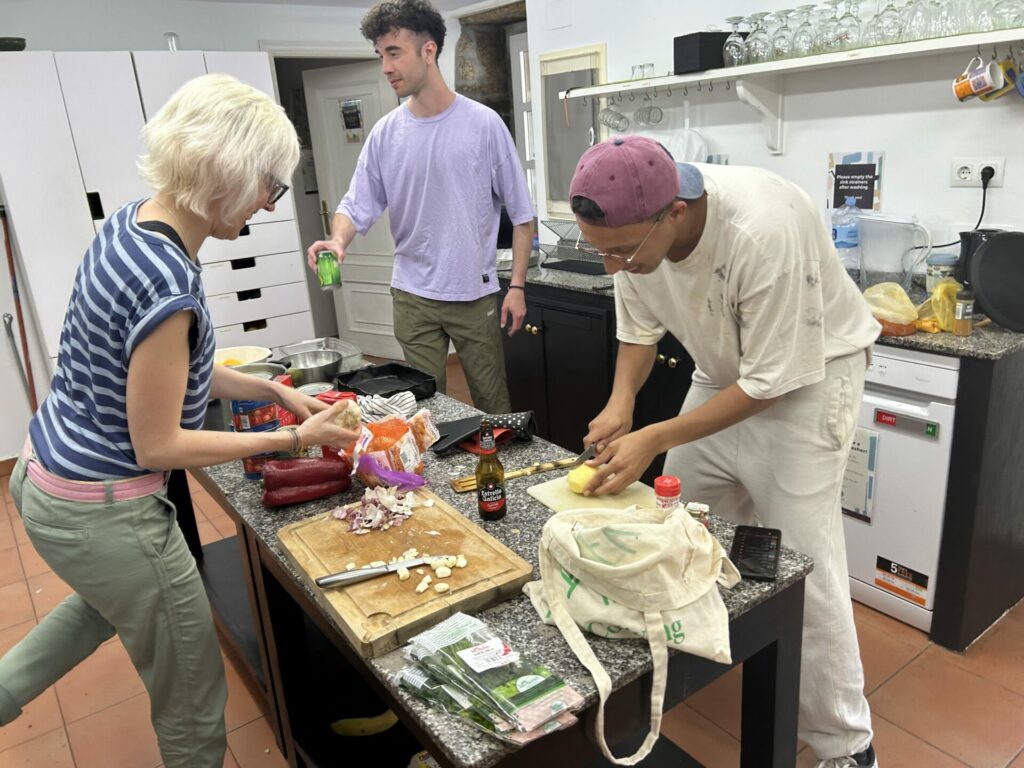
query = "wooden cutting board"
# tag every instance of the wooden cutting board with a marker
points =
(380, 614)
(558, 497)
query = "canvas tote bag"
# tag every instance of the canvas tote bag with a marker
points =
(648, 573)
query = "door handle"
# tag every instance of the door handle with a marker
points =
(324, 220)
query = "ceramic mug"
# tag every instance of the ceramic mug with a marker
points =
(1009, 70)
(978, 78)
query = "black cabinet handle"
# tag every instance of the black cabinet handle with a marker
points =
(254, 325)
(246, 263)
(249, 295)
(95, 205)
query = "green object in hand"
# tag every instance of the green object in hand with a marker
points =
(328, 270)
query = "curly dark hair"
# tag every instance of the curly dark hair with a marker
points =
(417, 16)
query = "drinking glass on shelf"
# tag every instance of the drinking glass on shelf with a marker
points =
(890, 23)
(848, 28)
(649, 69)
(782, 40)
(758, 45)
(950, 17)
(734, 52)
(637, 72)
(803, 35)
(917, 23)
(1006, 14)
(828, 28)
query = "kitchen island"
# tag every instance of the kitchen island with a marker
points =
(765, 623)
(569, 315)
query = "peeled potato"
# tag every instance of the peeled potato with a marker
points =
(580, 477)
(349, 416)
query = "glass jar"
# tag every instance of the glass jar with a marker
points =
(666, 491)
(963, 314)
(939, 267)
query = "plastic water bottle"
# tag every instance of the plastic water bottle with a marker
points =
(846, 236)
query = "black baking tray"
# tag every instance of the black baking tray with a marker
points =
(387, 380)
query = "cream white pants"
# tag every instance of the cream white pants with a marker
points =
(783, 468)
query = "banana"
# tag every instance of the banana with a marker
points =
(365, 726)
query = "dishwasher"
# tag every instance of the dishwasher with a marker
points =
(894, 487)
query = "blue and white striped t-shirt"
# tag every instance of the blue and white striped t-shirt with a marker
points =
(130, 281)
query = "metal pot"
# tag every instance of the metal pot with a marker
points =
(262, 370)
(314, 365)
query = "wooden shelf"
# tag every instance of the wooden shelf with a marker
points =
(762, 85)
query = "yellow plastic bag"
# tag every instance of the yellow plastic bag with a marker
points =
(888, 301)
(943, 301)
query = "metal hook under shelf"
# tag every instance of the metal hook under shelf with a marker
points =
(668, 90)
(686, 91)
(700, 85)
(618, 96)
(711, 86)
(632, 96)
(585, 101)
(655, 91)
(728, 84)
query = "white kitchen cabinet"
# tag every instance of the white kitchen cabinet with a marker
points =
(254, 272)
(253, 68)
(268, 332)
(78, 120)
(42, 187)
(161, 73)
(106, 126)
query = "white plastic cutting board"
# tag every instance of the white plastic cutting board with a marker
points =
(558, 497)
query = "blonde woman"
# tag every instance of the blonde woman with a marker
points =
(127, 402)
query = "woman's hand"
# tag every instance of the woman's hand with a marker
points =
(303, 406)
(321, 428)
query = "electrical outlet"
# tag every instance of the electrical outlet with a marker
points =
(966, 171)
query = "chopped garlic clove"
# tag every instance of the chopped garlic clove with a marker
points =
(403, 574)
(443, 572)
(441, 587)
(460, 561)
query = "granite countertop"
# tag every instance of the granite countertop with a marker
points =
(515, 619)
(989, 343)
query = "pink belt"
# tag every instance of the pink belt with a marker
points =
(97, 491)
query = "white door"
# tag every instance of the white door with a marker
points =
(108, 140)
(363, 304)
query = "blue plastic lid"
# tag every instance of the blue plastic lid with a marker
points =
(851, 201)
(943, 259)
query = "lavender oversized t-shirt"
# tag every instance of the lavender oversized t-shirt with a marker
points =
(443, 180)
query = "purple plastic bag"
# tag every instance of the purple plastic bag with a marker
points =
(406, 481)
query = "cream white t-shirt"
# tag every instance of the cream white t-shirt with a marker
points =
(763, 301)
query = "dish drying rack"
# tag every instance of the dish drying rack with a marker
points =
(564, 254)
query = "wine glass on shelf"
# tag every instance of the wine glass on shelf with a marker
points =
(848, 28)
(758, 45)
(918, 24)
(1006, 14)
(782, 40)
(890, 23)
(734, 52)
(803, 35)
(828, 28)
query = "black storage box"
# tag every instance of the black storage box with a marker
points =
(698, 51)
(387, 380)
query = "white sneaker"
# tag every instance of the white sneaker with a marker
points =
(865, 759)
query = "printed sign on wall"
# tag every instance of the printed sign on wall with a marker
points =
(855, 174)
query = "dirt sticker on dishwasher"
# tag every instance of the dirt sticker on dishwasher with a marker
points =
(901, 581)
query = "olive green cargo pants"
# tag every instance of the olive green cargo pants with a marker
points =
(132, 574)
(424, 327)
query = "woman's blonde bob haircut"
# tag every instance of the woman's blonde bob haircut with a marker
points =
(216, 141)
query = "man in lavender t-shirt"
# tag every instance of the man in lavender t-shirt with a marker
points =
(442, 165)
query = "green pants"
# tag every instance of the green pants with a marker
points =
(133, 575)
(424, 327)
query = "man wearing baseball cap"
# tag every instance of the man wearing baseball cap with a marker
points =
(736, 263)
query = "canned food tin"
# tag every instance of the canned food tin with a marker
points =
(247, 414)
(252, 466)
(315, 388)
(328, 270)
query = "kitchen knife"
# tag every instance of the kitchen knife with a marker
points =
(344, 578)
(587, 455)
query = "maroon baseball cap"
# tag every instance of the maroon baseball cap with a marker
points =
(632, 178)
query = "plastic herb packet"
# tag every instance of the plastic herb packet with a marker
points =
(464, 652)
(420, 684)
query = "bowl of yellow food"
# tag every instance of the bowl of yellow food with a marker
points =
(235, 356)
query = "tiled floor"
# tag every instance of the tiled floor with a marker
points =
(931, 708)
